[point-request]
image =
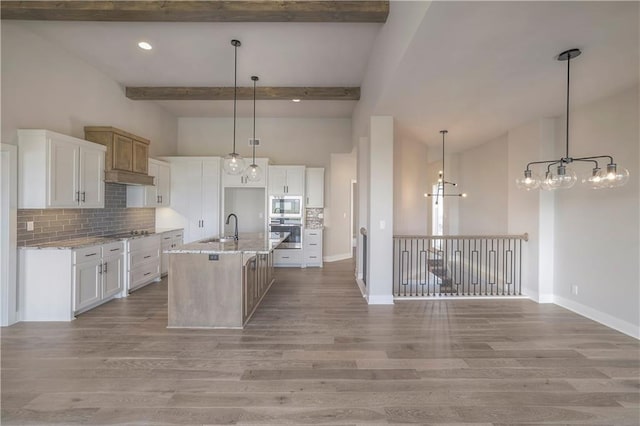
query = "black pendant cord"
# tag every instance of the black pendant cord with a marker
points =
(254, 119)
(443, 133)
(568, 81)
(235, 92)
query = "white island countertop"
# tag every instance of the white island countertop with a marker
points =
(247, 243)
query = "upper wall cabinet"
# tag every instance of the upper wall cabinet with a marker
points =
(158, 195)
(241, 180)
(59, 171)
(314, 185)
(286, 180)
(127, 155)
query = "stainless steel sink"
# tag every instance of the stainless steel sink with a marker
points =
(219, 240)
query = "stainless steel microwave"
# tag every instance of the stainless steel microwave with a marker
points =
(285, 206)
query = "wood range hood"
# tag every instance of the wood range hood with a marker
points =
(127, 157)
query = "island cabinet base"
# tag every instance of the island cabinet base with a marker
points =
(205, 290)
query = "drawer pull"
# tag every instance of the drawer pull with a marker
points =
(115, 249)
(146, 257)
(166, 238)
(148, 273)
(92, 254)
(313, 244)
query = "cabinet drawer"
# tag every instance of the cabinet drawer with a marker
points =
(87, 254)
(144, 243)
(313, 257)
(285, 256)
(144, 274)
(140, 257)
(112, 249)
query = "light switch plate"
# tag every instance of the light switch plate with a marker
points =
(30, 226)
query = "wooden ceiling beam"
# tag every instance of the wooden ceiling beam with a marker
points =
(244, 93)
(197, 11)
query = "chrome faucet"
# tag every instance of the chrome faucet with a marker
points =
(235, 236)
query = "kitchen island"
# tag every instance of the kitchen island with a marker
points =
(219, 284)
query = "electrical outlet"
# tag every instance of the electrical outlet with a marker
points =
(574, 290)
(30, 226)
(255, 142)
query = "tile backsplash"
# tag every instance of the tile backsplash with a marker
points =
(64, 224)
(313, 219)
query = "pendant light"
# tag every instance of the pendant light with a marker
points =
(559, 174)
(441, 181)
(254, 172)
(233, 163)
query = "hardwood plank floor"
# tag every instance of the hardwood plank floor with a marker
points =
(315, 353)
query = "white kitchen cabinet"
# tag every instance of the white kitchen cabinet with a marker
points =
(314, 187)
(286, 180)
(241, 180)
(195, 194)
(158, 195)
(58, 283)
(170, 240)
(312, 244)
(59, 171)
(143, 260)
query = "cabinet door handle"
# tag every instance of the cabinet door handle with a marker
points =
(157, 199)
(78, 196)
(161, 199)
(100, 268)
(307, 200)
(83, 196)
(105, 268)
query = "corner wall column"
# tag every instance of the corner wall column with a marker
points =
(380, 232)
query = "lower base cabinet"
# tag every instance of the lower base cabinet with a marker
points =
(313, 247)
(170, 240)
(57, 284)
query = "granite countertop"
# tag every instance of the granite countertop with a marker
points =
(247, 243)
(82, 242)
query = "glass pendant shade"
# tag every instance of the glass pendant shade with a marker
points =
(528, 181)
(549, 183)
(233, 164)
(614, 176)
(254, 173)
(595, 179)
(565, 178)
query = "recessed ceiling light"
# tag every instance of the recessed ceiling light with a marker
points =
(295, 100)
(144, 45)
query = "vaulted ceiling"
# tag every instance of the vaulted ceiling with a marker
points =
(476, 68)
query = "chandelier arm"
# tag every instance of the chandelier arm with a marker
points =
(594, 157)
(541, 162)
(552, 164)
(587, 160)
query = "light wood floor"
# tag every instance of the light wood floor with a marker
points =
(315, 353)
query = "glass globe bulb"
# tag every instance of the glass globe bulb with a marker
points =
(565, 178)
(549, 183)
(233, 164)
(595, 180)
(529, 181)
(254, 173)
(615, 176)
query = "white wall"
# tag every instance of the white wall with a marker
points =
(596, 238)
(410, 183)
(308, 141)
(44, 86)
(482, 177)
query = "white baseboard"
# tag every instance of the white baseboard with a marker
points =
(337, 257)
(380, 300)
(546, 298)
(593, 314)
